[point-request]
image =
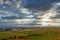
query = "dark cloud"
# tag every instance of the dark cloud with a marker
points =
(38, 4)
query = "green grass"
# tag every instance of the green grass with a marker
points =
(43, 37)
(34, 34)
(4, 35)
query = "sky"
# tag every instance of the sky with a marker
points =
(23, 8)
(20, 9)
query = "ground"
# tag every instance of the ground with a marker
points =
(32, 34)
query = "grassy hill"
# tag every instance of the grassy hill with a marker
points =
(32, 34)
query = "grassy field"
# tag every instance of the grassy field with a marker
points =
(32, 34)
(44, 37)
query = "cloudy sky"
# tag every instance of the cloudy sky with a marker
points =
(19, 9)
(23, 8)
